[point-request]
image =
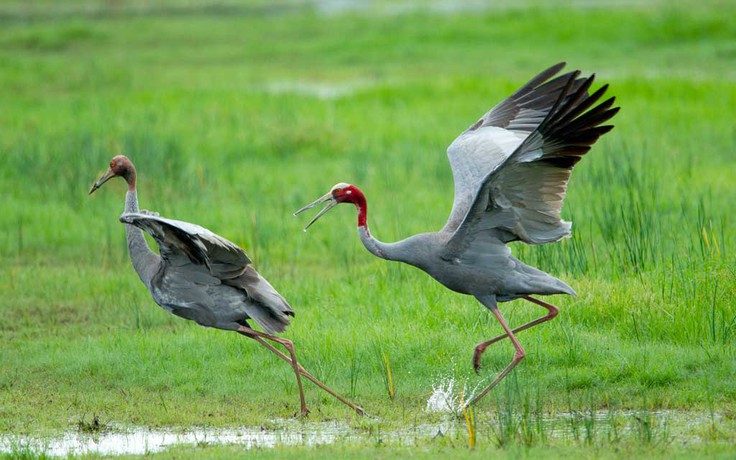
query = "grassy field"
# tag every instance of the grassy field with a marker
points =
(236, 116)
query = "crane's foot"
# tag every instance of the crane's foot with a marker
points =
(477, 353)
(305, 412)
(359, 410)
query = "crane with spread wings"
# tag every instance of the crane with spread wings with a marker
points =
(510, 170)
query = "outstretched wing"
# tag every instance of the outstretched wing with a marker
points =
(497, 134)
(521, 198)
(182, 243)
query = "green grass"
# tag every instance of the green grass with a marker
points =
(237, 116)
(444, 450)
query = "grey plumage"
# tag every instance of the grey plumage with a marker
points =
(201, 276)
(208, 279)
(510, 169)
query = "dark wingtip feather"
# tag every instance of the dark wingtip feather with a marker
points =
(572, 102)
(574, 123)
(564, 162)
(539, 80)
(563, 94)
(604, 129)
(556, 67)
(546, 74)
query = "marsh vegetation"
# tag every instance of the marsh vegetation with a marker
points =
(238, 115)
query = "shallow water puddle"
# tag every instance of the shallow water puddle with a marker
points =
(137, 440)
(584, 425)
(118, 440)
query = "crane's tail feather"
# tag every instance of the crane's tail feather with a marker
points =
(264, 305)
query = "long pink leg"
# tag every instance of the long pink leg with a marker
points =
(289, 345)
(481, 347)
(303, 371)
(518, 355)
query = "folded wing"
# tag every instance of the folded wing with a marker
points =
(180, 242)
(213, 277)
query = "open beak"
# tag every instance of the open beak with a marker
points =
(105, 177)
(332, 202)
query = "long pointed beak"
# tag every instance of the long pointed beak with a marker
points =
(105, 177)
(331, 204)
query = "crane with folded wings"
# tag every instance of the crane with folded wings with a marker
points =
(201, 276)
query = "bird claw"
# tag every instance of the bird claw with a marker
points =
(305, 412)
(476, 362)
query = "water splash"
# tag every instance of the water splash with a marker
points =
(444, 399)
(448, 397)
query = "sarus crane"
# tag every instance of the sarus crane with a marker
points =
(510, 170)
(205, 278)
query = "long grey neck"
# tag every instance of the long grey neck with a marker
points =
(375, 247)
(145, 261)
